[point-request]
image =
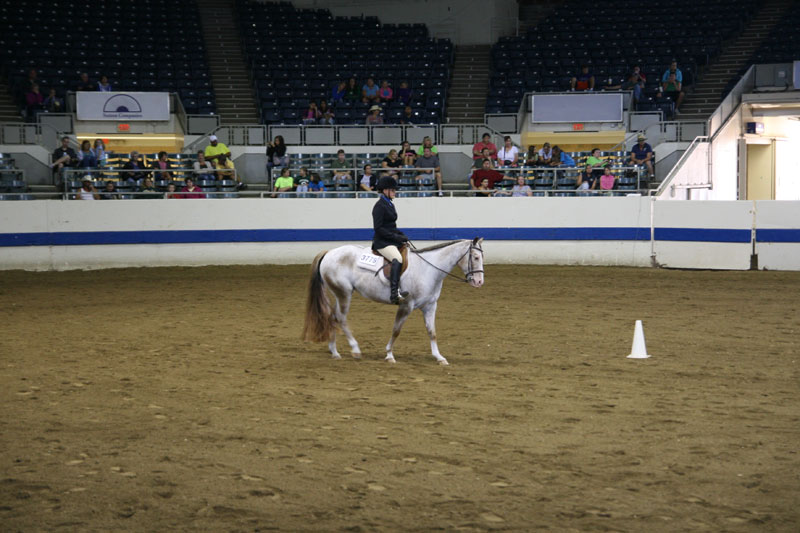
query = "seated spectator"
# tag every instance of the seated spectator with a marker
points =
(407, 154)
(642, 154)
(385, 93)
(374, 118)
(368, 179)
(673, 69)
(391, 162)
(302, 174)
(226, 170)
(276, 153)
(33, 77)
(84, 84)
(316, 185)
(521, 188)
(430, 162)
(34, 101)
(203, 167)
(673, 89)
(163, 166)
(561, 159)
(53, 104)
(369, 92)
(594, 158)
(408, 116)
(403, 93)
(338, 93)
(508, 155)
(352, 92)
(583, 81)
(190, 190)
(485, 143)
(110, 192)
(326, 114)
(484, 189)
(283, 184)
(486, 172)
(638, 71)
(545, 154)
(531, 158)
(87, 192)
(607, 181)
(170, 191)
(427, 142)
(146, 188)
(633, 83)
(312, 114)
(103, 86)
(587, 179)
(341, 167)
(216, 149)
(86, 158)
(485, 154)
(302, 187)
(99, 151)
(136, 165)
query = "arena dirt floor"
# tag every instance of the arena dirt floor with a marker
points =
(183, 399)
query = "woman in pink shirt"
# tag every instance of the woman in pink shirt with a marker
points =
(385, 93)
(607, 180)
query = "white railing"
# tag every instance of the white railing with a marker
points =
(687, 155)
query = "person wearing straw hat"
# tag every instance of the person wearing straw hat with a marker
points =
(87, 191)
(642, 154)
(374, 118)
(387, 237)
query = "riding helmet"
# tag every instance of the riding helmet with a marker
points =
(386, 182)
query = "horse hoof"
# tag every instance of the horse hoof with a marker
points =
(390, 360)
(357, 356)
(336, 356)
(444, 362)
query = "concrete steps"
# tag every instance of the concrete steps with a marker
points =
(9, 112)
(469, 85)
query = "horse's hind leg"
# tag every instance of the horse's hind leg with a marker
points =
(342, 308)
(399, 320)
(429, 314)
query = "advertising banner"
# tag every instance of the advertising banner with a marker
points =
(122, 106)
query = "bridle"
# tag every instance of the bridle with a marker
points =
(470, 269)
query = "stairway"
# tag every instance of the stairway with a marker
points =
(229, 73)
(735, 56)
(466, 101)
(9, 112)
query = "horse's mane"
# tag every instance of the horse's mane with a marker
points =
(436, 246)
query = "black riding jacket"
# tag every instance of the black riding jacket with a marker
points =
(384, 222)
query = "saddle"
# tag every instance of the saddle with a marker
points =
(387, 265)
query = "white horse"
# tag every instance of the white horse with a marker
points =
(337, 270)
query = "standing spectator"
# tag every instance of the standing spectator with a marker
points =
(607, 181)
(312, 114)
(385, 93)
(341, 167)
(374, 118)
(190, 190)
(403, 93)
(226, 170)
(326, 115)
(136, 165)
(103, 86)
(216, 149)
(34, 101)
(583, 81)
(561, 159)
(162, 166)
(276, 153)
(673, 69)
(545, 154)
(508, 155)
(84, 84)
(486, 142)
(53, 104)
(408, 116)
(642, 154)
(87, 192)
(110, 192)
(393, 162)
(283, 184)
(521, 188)
(369, 92)
(587, 179)
(407, 154)
(352, 92)
(430, 162)
(427, 142)
(86, 158)
(316, 185)
(486, 172)
(99, 151)
(368, 179)
(531, 158)
(202, 167)
(338, 93)
(673, 88)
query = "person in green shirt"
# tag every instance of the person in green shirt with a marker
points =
(427, 142)
(283, 184)
(594, 159)
(341, 167)
(216, 149)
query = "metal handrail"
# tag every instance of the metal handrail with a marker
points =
(682, 161)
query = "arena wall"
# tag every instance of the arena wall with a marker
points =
(624, 231)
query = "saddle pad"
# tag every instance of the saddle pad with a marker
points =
(370, 261)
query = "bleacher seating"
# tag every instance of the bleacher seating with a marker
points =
(11, 180)
(152, 45)
(297, 55)
(612, 39)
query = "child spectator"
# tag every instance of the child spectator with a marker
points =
(312, 114)
(385, 93)
(484, 189)
(170, 191)
(607, 180)
(110, 192)
(103, 86)
(403, 93)
(326, 115)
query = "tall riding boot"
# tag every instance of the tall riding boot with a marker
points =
(394, 283)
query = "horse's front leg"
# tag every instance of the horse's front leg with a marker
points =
(429, 314)
(402, 314)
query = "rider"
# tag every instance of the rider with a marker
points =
(387, 236)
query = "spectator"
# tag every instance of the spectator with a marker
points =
(369, 92)
(430, 162)
(190, 190)
(368, 179)
(408, 116)
(283, 184)
(545, 154)
(162, 167)
(561, 159)
(312, 114)
(341, 167)
(136, 167)
(583, 81)
(403, 93)
(521, 188)
(33, 78)
(103, 86)
(594, 158)
(485, 154)
(587, 179)
(316, 185)
(637, 70)
(202, 167)
(170, 191)
(427, 142)
(216, 149)
(110, 192)
(302, 187)
(407, 154)
(642, 154)
(391, 161)
(87, 192)
(338, 93)
(673, 69)
(86, 158)
(385, 93)
(508, 155)
(352, 92)
(326, 115)
(486, 142)
(531, 158)
(99, 151)
(34, 101)
(486, 172)
(633, 83)
(226, 170)
(302, 175)
(146, 188)
(276, 153)
(673, 89)
(84, 84)
(53, 104)
(374, 118)
(485, 189)
(607, 181)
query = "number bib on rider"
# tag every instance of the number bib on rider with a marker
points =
(370, 261)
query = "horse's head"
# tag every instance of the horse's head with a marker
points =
(472, 262)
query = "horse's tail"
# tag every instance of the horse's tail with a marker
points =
(319, 324)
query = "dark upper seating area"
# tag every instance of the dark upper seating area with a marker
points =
(783, 43)
(299, 55)
(612, 38)
(148, 45)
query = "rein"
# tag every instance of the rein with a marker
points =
(470, 270)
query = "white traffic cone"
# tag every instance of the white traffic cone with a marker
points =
(638, 350)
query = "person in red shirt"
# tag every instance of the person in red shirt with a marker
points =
(486, 173)
(191, 190)
(485, 143)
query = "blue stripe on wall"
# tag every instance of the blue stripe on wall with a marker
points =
(419, 234)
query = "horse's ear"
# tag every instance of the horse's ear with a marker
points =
(477, 240)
